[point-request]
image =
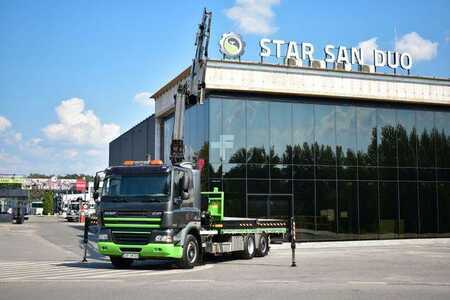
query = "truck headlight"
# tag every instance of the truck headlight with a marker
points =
(103, 237)
(164, 238)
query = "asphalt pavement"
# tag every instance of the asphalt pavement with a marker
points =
(41, 260)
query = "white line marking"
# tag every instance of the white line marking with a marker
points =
(368, 282)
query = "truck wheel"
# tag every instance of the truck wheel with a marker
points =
(120, 263)
(249, 247)
(263, 248)
(191, 253)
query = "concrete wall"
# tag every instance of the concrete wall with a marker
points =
(135, 144)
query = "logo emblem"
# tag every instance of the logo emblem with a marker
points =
(231, 45)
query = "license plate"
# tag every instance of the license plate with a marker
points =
(131, 255)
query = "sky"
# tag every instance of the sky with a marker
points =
(74, 75)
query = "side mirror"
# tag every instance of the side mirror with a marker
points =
(96, 182)
(96, 195)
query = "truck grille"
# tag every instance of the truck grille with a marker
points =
(127, 221)
(125, 238)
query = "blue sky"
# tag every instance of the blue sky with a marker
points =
(103, 57)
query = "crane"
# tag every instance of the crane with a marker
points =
(192, 90)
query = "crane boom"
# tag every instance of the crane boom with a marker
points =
(192, 91)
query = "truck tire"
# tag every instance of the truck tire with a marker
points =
(263, 247)
(191, 253)
(120, 263)
(249, 247)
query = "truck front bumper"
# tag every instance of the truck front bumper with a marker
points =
(152, 250)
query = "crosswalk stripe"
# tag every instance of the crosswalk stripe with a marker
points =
(41, 271)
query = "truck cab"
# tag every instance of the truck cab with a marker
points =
(147, 210)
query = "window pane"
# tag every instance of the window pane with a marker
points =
(368, 209)
(281, 132)
(215, 130)
(444, 207)
(367, 136)
(388, 209)
(233, 141)
(304, 208)
(326, 209)
(280, 171)
(387, 140)
(409, 213)
(258, 206)
(443, 139)
(303, 172)
(234, 205)
(234, 170)
(303, 133)
(280, 186)
(406, 138)
(325, 134)
(257, 132)
(258, 186)
(346, 135)
(348, 209)
(280, 206)
(427, 207)
(425, 143)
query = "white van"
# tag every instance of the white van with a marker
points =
(37, 208)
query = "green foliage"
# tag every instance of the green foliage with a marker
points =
(48, 203)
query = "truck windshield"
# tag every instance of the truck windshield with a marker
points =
(154, 187)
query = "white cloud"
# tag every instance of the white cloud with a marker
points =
(79, 126)
(417, 46)
(253, 16)
(4, 123)
(70, 153)
(367, 48)
(144, 99)
(94, 152)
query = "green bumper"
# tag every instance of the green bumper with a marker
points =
(145, 251)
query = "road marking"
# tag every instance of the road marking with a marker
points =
(192, 280)
(276, 281)
(74, 271)
(368, 282)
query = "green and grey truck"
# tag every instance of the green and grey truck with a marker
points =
(149, 210)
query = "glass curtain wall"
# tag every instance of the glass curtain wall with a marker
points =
(346, 170)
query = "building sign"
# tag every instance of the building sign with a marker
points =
(333, 54)
(231, 45)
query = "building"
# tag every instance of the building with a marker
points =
(138, 143)
(355, 155)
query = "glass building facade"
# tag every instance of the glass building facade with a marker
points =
(345, 169)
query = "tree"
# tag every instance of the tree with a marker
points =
(48, 203)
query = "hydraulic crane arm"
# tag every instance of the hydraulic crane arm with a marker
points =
(192, 91)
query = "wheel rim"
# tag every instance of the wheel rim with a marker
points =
(191, 252)
(250, 246)
(263, 245)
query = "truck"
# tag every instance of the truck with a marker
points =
(152, 210)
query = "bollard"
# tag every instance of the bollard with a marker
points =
(87, 222)
(293, 264)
